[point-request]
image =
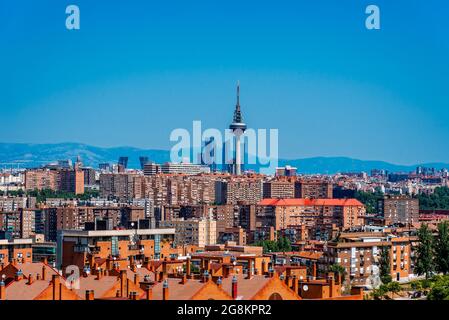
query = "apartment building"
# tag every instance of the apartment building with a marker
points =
(399, 209)
(89, 176)
(313, 189)
(244, 190)
(163, 189)
(183, 168)
(312, 213)
(283, 189)
(16, 250)
(117, 185)
(15, 203)
(81, 247)
(198, 232)
(41, 179)
(287, 171)
(71, 181)
(67, 180)
(360, 255)
(150, 169)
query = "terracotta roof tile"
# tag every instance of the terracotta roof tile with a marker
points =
(20, 290)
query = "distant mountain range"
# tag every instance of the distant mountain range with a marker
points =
(35, 155)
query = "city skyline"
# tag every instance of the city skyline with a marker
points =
(313, 72)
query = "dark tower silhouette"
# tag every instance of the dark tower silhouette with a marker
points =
(143, 161)
(123, 161)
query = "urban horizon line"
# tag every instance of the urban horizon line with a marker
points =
(146, 149)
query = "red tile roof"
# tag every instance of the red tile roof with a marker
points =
(20, 290)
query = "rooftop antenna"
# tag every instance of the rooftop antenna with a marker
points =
(238, 93)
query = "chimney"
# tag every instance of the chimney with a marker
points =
(234, 287)
(184, 279)
(145, 262)
(43, 272)
(90, 294)
(188, 270)
(136, 278)
(18, 275)
(205, 276)
(264, 267)
(56, 286)
(122, 283)
(338, 280)
(331, 282)
(249, 271)
(164, 267)
(30, 279)
(38, 276)
(288, 281)
(99, 274)
(225, 271)
(133, 295)
(295, 284)
(149, 292)
(165, 290)
(2, 290)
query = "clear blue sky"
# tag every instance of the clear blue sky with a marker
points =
(138, 69)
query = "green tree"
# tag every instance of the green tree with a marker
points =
(440, 289)
(424, 253)
(441, 248)
(369, 199)
(439, 199)
(338, 269)
(281, 245)
(385, 274)
(380, 293)
(394, 287)
(416, 285)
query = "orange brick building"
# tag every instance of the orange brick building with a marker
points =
(77, 247)
(312, 213)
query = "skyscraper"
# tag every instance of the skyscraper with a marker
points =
(209, 157)
(238, 127)
(143, 161)
(123, 161)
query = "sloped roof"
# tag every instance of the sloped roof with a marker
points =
(20, 290)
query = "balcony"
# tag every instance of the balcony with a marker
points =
(81, 248)
(94, 250)
(136, 247)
